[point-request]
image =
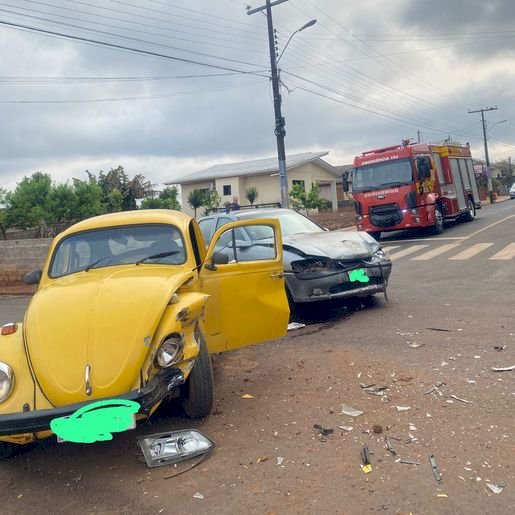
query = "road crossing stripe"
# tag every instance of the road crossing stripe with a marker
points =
(390, 248)
(436, 252)
(407, 252)
(470, 252)
(506, 253)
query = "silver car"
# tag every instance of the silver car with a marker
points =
(318, 264)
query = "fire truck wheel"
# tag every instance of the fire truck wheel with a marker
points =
(438, 226)
(471, 211)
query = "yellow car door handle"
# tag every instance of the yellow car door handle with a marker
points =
(278, 275)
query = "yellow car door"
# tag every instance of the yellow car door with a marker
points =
(245, 282)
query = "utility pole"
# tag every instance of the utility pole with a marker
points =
(280, 122)
(419, 137)
(487, 159)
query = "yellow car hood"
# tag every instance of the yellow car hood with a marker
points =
(104, 318)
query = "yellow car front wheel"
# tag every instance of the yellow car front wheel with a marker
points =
(198, 392)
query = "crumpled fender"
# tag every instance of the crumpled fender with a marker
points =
(181, 317)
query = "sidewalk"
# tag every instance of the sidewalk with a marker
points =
(497, 200)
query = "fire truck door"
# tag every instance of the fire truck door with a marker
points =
(458, 184)
(472, 178)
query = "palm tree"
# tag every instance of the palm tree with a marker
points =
(251, 194)
(196, 199)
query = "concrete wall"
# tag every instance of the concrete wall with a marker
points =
(17, 257)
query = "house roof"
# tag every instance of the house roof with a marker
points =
(255, 167)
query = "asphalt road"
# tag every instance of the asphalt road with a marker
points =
(451, 304)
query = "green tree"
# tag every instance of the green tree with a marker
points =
(196, 199)
(168, 199)
(129, 189)
(114, 201)
(170, 196)
(61, 208)
(27, 205)
(251, 194)
(300, 199)
(212, 201)
(3, 213)
(88, 198)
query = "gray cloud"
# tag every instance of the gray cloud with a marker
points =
(172, 135)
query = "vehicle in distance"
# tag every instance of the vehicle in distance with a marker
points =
(318, 264)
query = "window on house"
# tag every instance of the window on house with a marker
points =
(227, 189)
(300, 183)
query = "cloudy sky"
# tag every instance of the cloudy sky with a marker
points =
(367, 75)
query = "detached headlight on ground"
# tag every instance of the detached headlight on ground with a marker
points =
(6, 381)
(169, 448)
(170, 351)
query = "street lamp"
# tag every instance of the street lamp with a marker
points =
(305, 26)
(496, 123)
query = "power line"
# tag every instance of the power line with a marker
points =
(52, 80)
(126, 48)
(116, 26)
(105, 33)
(142, 97)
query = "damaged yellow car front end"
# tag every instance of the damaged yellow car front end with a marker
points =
(128, 307)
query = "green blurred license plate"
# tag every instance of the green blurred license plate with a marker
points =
(358, 275)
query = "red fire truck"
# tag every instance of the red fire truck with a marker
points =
(410, 186)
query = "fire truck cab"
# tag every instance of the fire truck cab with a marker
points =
(410, 186)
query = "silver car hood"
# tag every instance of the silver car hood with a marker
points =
(333, 244)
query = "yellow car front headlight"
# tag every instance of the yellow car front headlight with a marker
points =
(6, 381)
(170, 352)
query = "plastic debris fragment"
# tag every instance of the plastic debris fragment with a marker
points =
(352, 412)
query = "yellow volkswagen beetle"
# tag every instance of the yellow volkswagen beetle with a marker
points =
(129, 306)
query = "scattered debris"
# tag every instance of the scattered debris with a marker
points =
(499, 348)
(403, 408)
(496, 489)
(324, 431)
(263, 459)
(412, 427)
(441, 494)
(415, 345)
(439, 329)
(346, 428)
(407, 461)
(366, 467)
(389, 446)
(279, 460)
(377, 429)
(295, 325)
(372, 389)
(352, 412)
(462, 400)
(434, 387)
(198, 495)
(247, 396)
(503, 369)
(436, 472)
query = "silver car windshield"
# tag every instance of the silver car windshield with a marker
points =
(138, 244)
(290, 221)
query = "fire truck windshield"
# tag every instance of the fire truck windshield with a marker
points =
(386, 174)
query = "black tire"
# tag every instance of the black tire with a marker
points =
(438, 226)
(7, 450)
(471, 211)
(376, 235)
(197, 395)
